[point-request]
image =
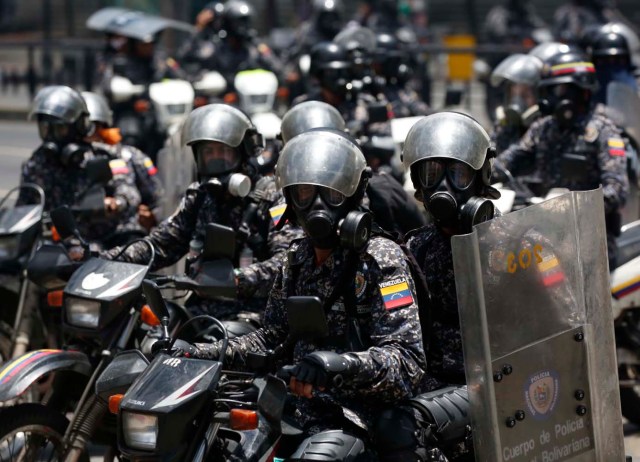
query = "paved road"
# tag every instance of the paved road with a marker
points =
(17, 140)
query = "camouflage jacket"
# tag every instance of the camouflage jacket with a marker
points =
(64, 185)
(392, 356)
(198, 208)
(595, 143)
(432, 250)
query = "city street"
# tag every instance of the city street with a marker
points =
(17, 140)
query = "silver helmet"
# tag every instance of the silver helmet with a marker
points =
(61, 102)
(99, 110)
(447, 135)
(518, 68)
(308, 115)
(322, 157)
(216, 122)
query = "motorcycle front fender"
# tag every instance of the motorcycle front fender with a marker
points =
(17, 375)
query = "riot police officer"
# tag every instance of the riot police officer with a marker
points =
(611, 56)
(392, 207)
(517, 77)
(574, 146)
(374, 340)
(58, 165)
(229, 192)
(199, 48)
(390, 66)
(142, 167)
(449, 156)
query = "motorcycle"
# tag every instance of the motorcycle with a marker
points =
(102, 314)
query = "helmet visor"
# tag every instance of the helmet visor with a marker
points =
(214, 158)
(303, 195)
(431, 172)
(53, 130)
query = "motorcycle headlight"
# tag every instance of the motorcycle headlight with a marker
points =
(82, 313)
(140, 430)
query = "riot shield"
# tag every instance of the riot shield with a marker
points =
(133, 24)
(535, 312)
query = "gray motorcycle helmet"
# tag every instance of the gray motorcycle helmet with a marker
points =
(518, 68)
(61, 102)
(446, 135)
(322, 157)
(99, 110)
(216, 122)
(308, 115)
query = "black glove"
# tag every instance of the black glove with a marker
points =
(182, 348)
(326, 369)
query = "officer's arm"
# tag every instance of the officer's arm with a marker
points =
(147, 179)
(170, 238)
(257, 279)
(27, 195)
(273, 332)
(124, 187)
(518, 157)
(392, 368)
(612, 162)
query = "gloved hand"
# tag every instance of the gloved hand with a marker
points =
(322, 369)
(185, 349)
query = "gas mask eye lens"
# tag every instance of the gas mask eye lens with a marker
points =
(303, 195)
(215, 158)
(430, 173)
(461, 175)
(332, 197)
(54, 131)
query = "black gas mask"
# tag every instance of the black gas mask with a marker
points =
(60, 140)
(217, 165)
(336, 79)
(328, 218)
(565, 102)
(449, 193)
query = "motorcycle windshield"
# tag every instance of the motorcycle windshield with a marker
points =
(133, 24)
(535, 313)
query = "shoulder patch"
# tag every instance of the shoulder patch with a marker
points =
(151, 169)
(276, 213)
(396, 293)
(118, 167)
(616, 147)
(591, 133)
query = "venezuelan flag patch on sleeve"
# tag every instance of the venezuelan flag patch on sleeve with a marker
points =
(396, 293)
(616, 147)
(276, 213)
(151, 169)
(118, 167)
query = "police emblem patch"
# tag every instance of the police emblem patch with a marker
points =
(591, 133)
(541, 394)
(361, 284)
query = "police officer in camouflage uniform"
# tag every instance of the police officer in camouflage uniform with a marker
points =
(58, 165)
(449, 156)
(230, 193)
(574, 146)
(393, 209)
(145, 172)
(375, 340)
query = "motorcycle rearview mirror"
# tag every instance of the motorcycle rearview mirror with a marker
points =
(220, 242)
(155, 300)
(306, 317)
(64, 222)
(99, 171)
(91, 202)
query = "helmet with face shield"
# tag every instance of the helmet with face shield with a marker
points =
(308, 115)
(62, 114)
(222, 139)
(518, 75)
(449, 156)
(324, 174)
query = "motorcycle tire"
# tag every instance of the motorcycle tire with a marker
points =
(35, 428)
